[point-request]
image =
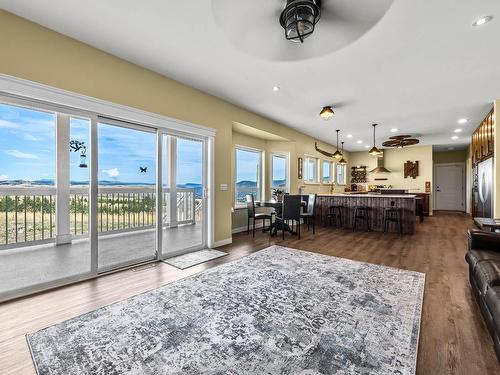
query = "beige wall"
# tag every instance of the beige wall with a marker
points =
(449, 156)
(32, 52)
(394, 160)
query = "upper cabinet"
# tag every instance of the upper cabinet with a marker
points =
(482, 139)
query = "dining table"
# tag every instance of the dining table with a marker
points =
(278, 208)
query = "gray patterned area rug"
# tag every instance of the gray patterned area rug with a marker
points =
(196, 257)
(278, 311)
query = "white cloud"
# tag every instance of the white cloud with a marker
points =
(113, 173)
(3, 177)
(31, 137)
(4, 124)
(20, 155)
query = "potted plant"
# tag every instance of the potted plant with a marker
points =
(278, 194)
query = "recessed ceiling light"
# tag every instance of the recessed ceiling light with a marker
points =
(454, 137)
(367, 146)
(482, 20)
(457, 130)
(349, 135)
(359, 141)
(394, 130)
(276, 88)
(462, 121)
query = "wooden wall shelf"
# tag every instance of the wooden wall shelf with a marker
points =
(358, 175)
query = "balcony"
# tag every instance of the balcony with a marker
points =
(126, 225)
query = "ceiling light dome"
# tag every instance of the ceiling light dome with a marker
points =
(299, 18)
(326, 113)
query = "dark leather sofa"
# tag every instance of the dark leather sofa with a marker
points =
(483, 257)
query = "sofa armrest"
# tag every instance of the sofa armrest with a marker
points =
(481, 240)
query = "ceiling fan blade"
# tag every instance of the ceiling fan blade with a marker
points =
(253, 27)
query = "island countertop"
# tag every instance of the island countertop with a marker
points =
(367, 195)
(376, 203)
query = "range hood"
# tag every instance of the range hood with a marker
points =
(380, 165)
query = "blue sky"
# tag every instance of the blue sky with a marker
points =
(27, 150)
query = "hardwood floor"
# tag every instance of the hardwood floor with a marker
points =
(453, 336)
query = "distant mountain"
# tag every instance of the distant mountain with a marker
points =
(279, 182)
(246, 184)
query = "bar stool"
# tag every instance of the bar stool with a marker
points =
(393, 215)
(361, 213)
(335, 215)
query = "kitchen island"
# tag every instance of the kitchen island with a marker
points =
(376, 203)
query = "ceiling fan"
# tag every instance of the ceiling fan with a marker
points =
(261, 27)
(400, 141)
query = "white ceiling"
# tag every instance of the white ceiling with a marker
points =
(419, 69)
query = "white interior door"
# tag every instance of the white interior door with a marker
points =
(449, 187)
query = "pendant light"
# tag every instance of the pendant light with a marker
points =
(326, 113)
(337, 154)
(342, 161)
(374, 151)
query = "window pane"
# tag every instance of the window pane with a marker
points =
(327, 172)
(341, 174)
(311, 170)
(248, 171)
(279, 172)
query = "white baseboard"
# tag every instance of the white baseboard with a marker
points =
(226, 241)
(244, 229)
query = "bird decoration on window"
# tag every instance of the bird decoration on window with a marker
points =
(143, 169)
(79, 146)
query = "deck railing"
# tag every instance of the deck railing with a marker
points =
(28, 214)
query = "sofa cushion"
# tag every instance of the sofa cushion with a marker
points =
(474, 256)
(492, 300)
(486, 273)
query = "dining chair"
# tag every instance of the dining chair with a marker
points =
(309, 215)
(255, 216)
(292, 206)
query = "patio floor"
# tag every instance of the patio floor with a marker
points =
(32, 265)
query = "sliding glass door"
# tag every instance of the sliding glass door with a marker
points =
(126, 201)
(183, 213)
(82, 194)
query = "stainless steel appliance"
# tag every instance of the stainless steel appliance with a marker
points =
(482, 189)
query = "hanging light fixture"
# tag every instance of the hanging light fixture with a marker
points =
(337, 154)
(342, 161)
(326, 113)
(299, 18)
(374, 151)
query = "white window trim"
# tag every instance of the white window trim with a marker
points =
(332, 171)
(237, 147)
(318, 170)
(337, 175)
(24, 93)
(286, 155)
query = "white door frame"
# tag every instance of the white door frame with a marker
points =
(435, 166)
(34, 95)
(207, 206)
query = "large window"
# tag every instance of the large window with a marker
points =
(279, 172)
(341, 174)
(311, 169)
(327, 176)
(248, 174)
